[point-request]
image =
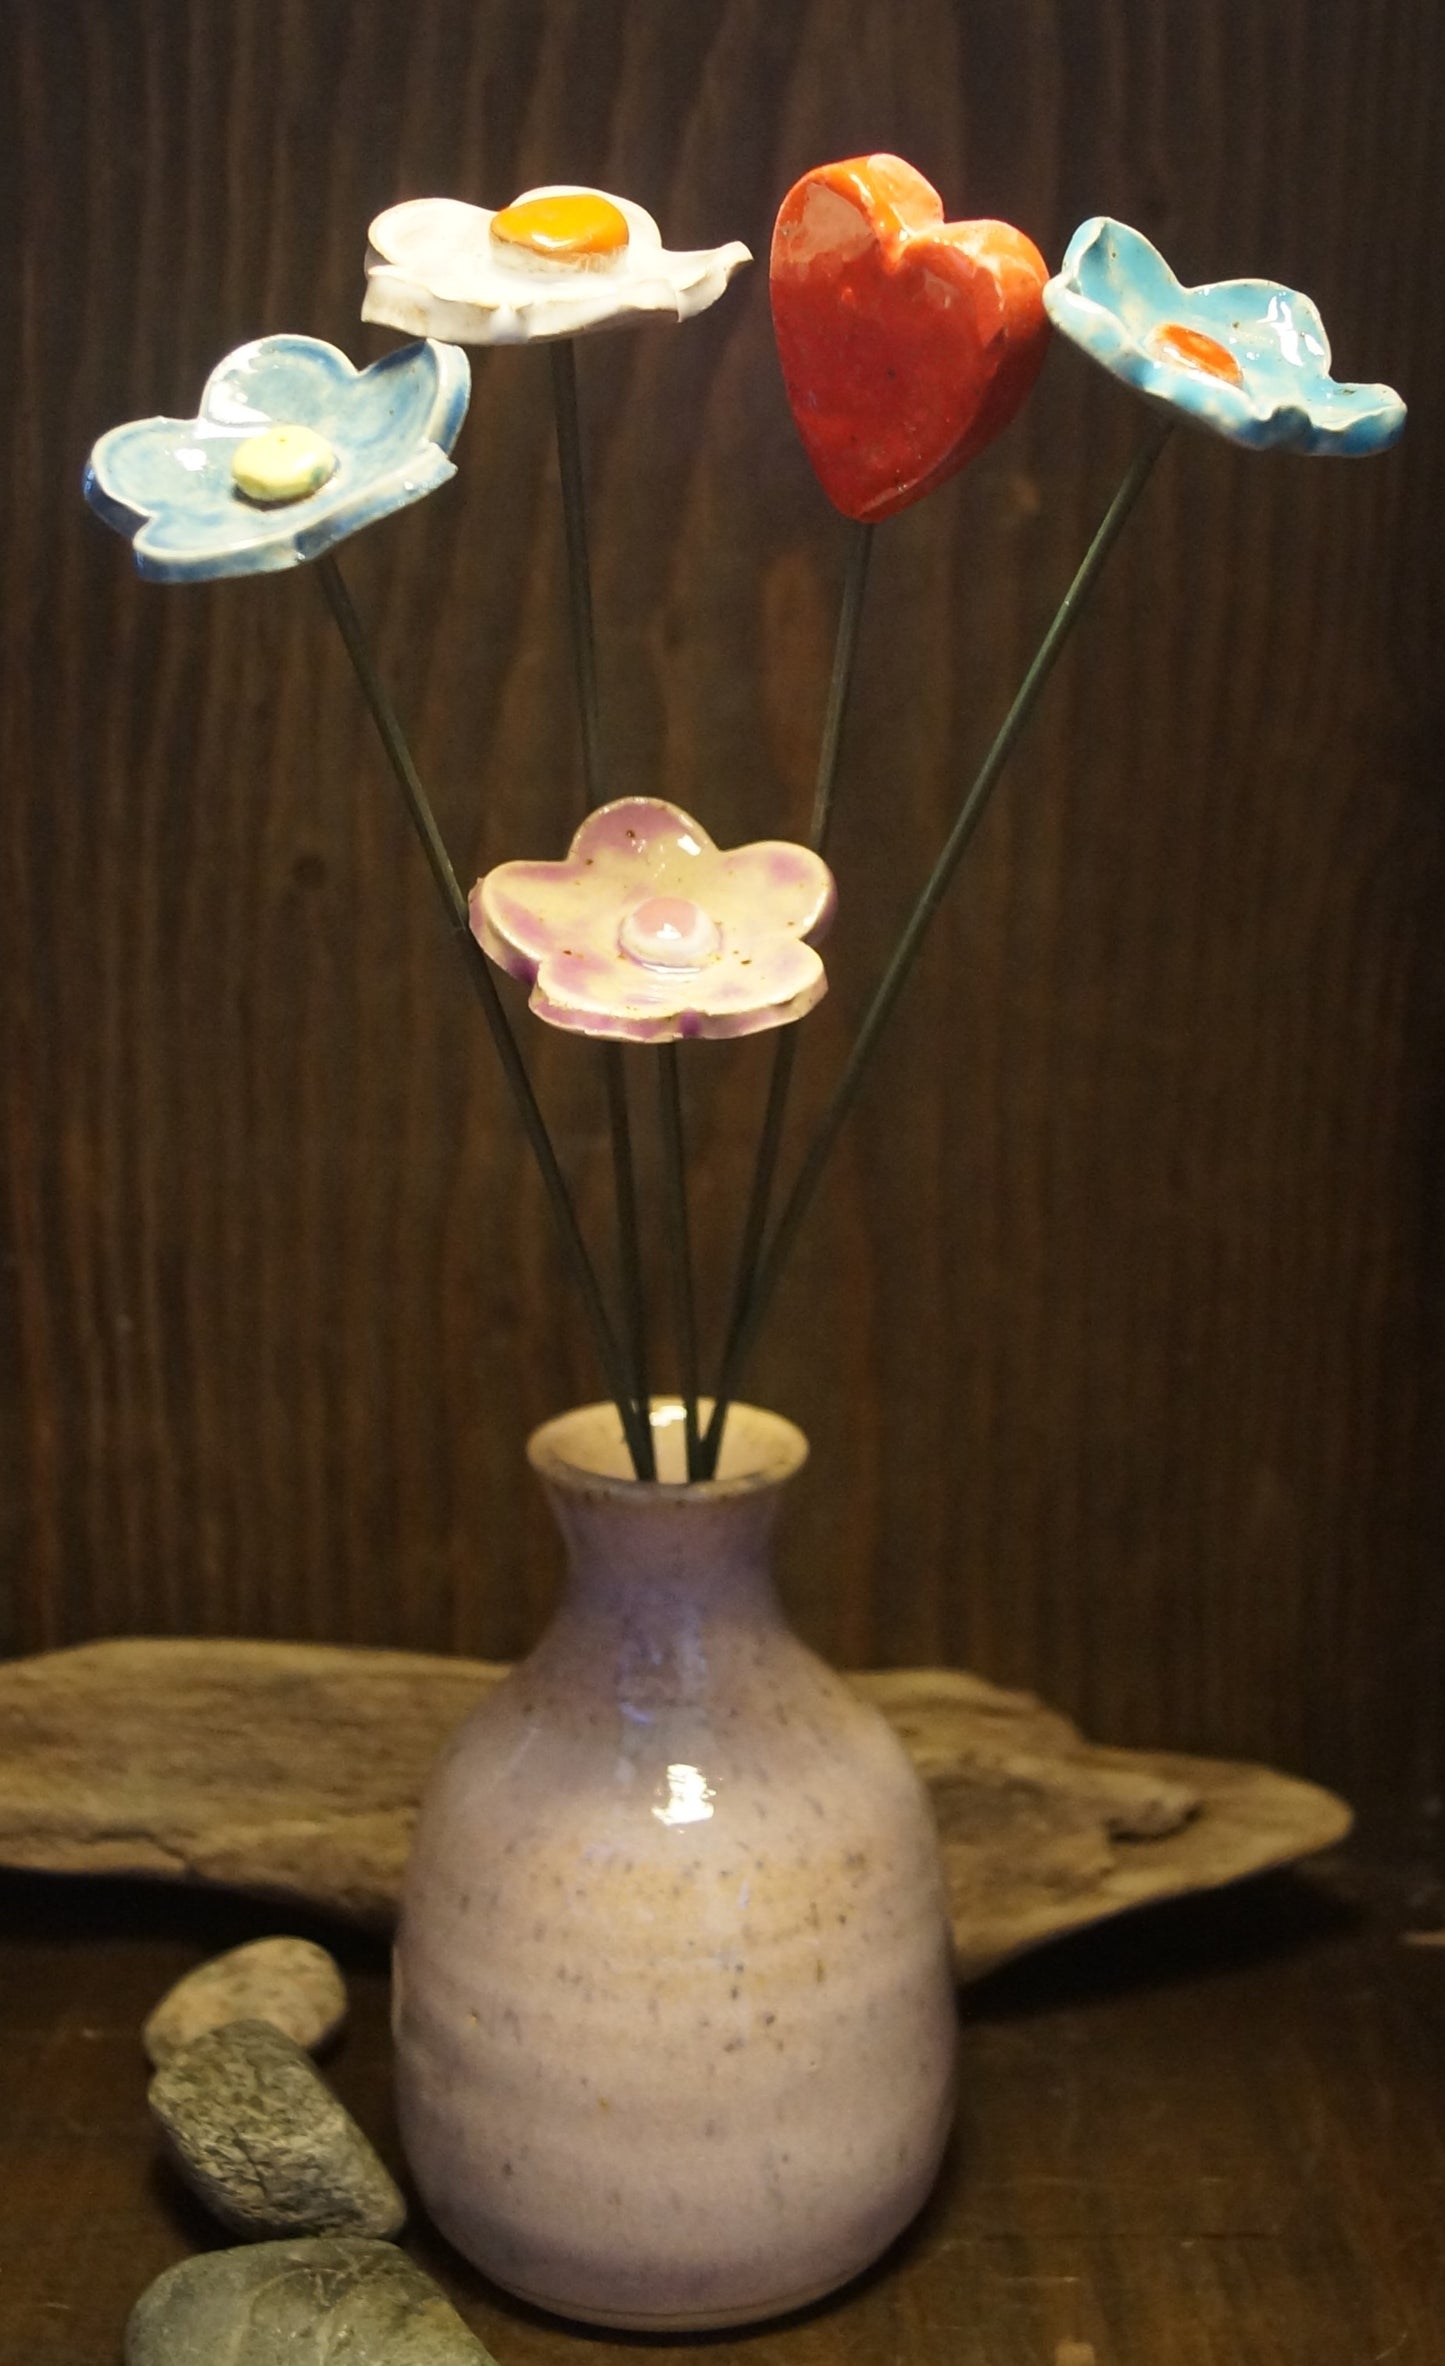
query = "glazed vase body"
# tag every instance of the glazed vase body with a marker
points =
(674, 2005)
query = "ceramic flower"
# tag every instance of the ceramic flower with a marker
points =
(1246, 358)
(648, 931)
(907, 343)
(559, 262)
(293, 448)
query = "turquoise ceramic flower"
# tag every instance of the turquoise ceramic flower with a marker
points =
(1246, 358)
(293, 449)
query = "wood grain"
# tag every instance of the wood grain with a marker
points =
(1211, 2136)
(294, 1770)
(1118, 1331)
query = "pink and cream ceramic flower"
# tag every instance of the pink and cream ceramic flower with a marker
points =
(648, 931)
(558, 262)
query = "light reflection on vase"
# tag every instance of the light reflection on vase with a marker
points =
(674, 2005)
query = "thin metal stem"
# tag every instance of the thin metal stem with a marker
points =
(418, 805)
(584, 675)
(845, 650)
(679, 1245)
(614, 1069)
(785, 1050)
(579, 566)
(905, 953)
(755, 1217)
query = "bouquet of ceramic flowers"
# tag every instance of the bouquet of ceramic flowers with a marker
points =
(907, 342)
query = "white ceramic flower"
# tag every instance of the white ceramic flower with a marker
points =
(559, 262)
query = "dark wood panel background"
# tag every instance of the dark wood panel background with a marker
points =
(1118, 1331)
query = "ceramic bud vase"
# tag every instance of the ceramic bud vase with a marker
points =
(674, 2005)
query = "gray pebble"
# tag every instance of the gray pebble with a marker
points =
(257, 2132)
(290, 1982)
(299, 2304)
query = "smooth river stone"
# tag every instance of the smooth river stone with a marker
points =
(256, 2131)
(299, 2304)
(292, 1983)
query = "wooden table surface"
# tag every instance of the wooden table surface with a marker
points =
(1209, 2135)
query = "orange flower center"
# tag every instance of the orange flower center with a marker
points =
(1195, 351)
(577, 228)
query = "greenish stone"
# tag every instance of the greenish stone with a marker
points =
(308, 2303)
(255, 2129)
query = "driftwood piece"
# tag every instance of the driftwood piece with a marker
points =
(293, 1770)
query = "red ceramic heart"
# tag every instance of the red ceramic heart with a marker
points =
(907, 342)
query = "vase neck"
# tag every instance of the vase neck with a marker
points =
(669, 1599)
(669, 1584)
(669, 1551)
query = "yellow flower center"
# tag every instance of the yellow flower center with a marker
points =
(1193, 350)
(284, 464)
(579, 229)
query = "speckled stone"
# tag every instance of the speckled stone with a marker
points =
(299, 2304)
(257, 2132)
(292, 1983)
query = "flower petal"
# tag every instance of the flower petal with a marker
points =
(1114, 295)
(167, 483)
(640, 870)
(432, 269)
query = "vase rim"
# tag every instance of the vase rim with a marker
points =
(585, 1453)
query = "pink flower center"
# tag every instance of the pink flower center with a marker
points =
(670, 932)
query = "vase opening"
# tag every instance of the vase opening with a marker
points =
(587, 1446)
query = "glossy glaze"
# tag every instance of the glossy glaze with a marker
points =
(674, 2005)
(435, 269)
(647, 931)
(577, 228)
(168, 484)
(1116, 297)
(907, 342)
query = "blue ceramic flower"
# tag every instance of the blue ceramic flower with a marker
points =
(293, 449)
(1246, 358)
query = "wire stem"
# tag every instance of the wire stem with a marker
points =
(678, 1243)
(785, 1050)
(906, 951)
(584, 676)
(418, 805)
(614, 1069)
(845, 651)
(579, 566)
